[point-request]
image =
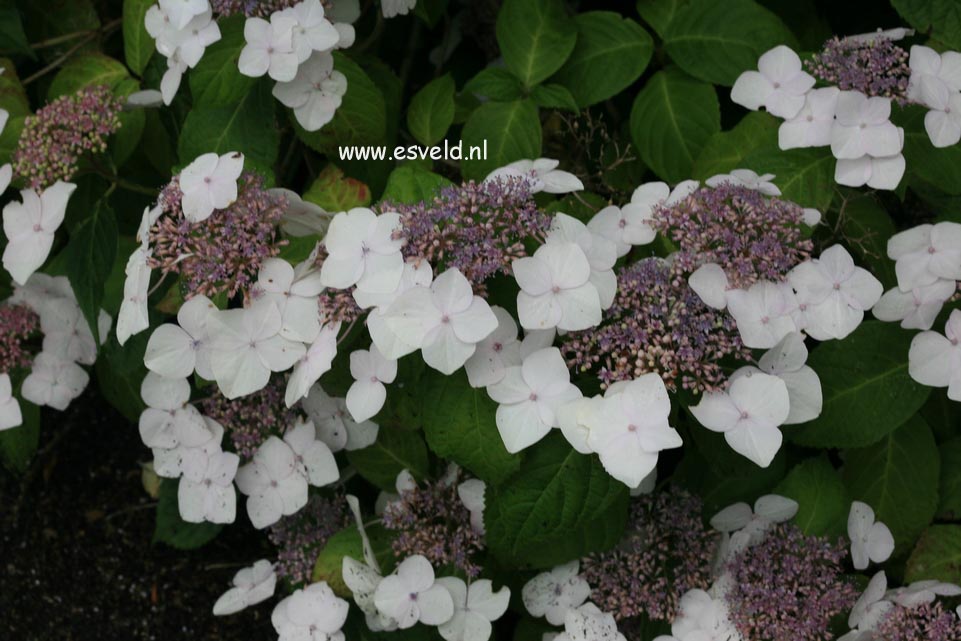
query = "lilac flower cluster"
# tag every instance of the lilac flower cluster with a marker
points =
(751, 236)
(875, 67)
(657, 324)
(252, 8)
(54, 139)
(301, 536)
(478, 228)
(666, 551)
(432, 521)
(789, 587)
(224, 252)
(928, 621)
(251, 419)
(18, 323)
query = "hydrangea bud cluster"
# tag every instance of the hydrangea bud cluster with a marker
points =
(251, 419)
(657, 324)
(667, 551)
(873, 66)
(752, 236)
(18, 323)
(224, 252)
(252, 8)
(928, 621)
(789, 586)
(478, 228)
(301, 536)
(54, 139)
(431, 520)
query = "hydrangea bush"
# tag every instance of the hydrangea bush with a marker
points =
(676, 360)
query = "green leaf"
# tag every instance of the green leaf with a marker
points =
(898, 477)
(393, 451)
(508, 131)
(562, 505)
(949, 508)
(553, 96)
(535, 38)
(659, 13)
(49, 19)
(19, 444)
(717, 41)
(866, 388)
(89, 259)
(14, 100)
(726, 150)
(334, 192)
(12, 38)
(247, 126)
(805, 176)
(937, 556)
(361, 118)
(120, 372)
(823, 501)
(138, 46)
(495, 83)
(460, 426)
(216, 80)
(611, 53)
(173, 530)
(431, 111)
(939, 18)
(866, 227)
(940, 168)
(672, 119)
(410, 184)
(347, 542)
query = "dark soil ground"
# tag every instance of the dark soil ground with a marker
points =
(76, 558)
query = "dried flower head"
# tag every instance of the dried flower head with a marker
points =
(250, 419)
(18, 323)
(750, 235)
(928, 621)
(789, 586)
(657, 324)
(54, 139)
(301, 536)
(224, 252)
(875, 66)
(666, 551)
(478, 228)
(431, 520)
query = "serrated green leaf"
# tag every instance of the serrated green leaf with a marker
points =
(553, 96)
(19, 444)
(939, 18)
(216, 80)
(562, 505)
(89, 258)
(431, 111)
(940, 168)
(394, 450)
(120, 372)
(508, 131)
(717, 41)
(937, 556)
(495, 83)
(13, 40)
(866, 388)
(347, 542)
(173, 530)
(805, 176)
(460, 426)
(334, 192)
(822, 499)
(659, 13)
(672, 119)
(726, 150)
(138, 46)
(611, 52)
(535, 38)
(410, 184)
(898, 477)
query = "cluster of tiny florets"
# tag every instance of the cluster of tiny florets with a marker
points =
(18, 323)
(251, 419)
(667, 551)
(224, 252)
(789, 586)
(252, 8)
(928, 621)
(432, 521)
(751, 236)
(876, 67)
(657, 324)
(301, 536)
(478, 228)
(54, 139)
